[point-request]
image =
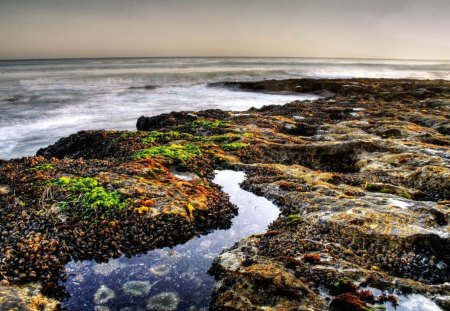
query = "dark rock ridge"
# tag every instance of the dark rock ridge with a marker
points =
(362, 181)
(174, 119)
(145, 87)
(388, 89)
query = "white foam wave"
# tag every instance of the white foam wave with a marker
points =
(43, 124)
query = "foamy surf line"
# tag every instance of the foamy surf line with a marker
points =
(24, 131)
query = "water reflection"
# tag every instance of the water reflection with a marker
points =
(174, 278)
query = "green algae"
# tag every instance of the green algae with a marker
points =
(209, 124)
(85, 197)
(128, 134)
(164, 137)
(294, 219)
(181, 153)
(42, 167)
(404, 194)
(234, 146)
(220, 138)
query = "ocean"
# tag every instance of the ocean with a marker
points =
(44, 100)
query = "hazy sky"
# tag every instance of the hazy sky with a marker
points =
(311, 28)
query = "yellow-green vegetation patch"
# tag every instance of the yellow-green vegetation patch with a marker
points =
(181, 153)
(243, 133)
(85, 197)
(126, 134)
(221, 138)
(294, 219)
(210, 124)
(42, 167)
(164, 137)
(234, 146)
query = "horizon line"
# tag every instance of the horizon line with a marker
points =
(235, 57)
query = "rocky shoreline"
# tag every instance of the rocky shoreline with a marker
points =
(361, 176)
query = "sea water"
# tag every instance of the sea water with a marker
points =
(44, 100)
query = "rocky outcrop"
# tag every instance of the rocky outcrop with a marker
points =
(106, 205)
(364, 200)
(173, 119)
(362, 181)
(386, 89)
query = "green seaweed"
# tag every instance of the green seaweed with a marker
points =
(404, 194)
(86, 197)
(209, 124)
(164, 137)
(234, 146)
(42, 167)
(181, 153)
(294, 219)
(127, 134)
(220, 138)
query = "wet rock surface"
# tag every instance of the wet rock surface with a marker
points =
(362, 180)
(25, 298)
(363, 190)
(110, 203)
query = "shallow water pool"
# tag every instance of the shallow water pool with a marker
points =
(174, 277)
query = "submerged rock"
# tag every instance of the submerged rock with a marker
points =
(137, 288)
(160, 270)
(145, 87)
(166, 301)
(107, 268)
(103, 295)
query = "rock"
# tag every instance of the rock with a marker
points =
(145, 87)
(165, 301)
(361, 210)
(137, 288)
(106, 269)
(443, 301)
(160, 270)
(444, 128)
(5, 189)
(245, 286)
(27, 297)
(177, 118)
(163, 120)
(103, 295)
(14, 99)
(298, 118)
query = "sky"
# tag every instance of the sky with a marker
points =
(397, 29)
